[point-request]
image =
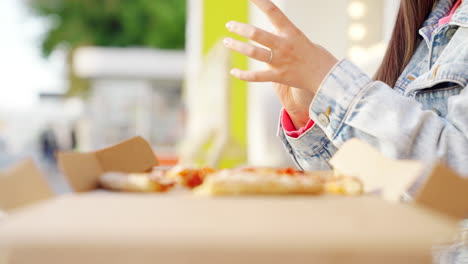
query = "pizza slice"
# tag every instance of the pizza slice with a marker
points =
(344, 185)
(188, 177)
(242, 181)
(135, 182)
(261, 181)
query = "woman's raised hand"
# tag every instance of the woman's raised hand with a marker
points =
(294, 61)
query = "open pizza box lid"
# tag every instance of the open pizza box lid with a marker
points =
(430, 184)
(22, 185)
(84, 169)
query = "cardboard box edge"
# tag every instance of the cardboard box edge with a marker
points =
(82, 169)
(29, 183)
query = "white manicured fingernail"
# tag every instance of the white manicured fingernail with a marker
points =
(229, 25)
(234, 72)
(227, 41)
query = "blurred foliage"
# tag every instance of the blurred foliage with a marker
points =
(115, 23)
(111, 23)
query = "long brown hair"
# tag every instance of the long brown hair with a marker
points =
(405, 39)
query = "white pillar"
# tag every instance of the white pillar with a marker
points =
(193, 47)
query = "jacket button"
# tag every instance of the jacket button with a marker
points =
(323, 119)
(450, 32)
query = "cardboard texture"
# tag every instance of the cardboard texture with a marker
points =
(378, 173)
(442, 189)
(445, 191)
(22, 185)
(106, 227)
(83, 169)
(130, 228)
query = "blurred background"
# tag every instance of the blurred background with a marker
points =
(78, 75)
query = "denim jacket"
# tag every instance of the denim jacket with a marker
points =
(424, 117)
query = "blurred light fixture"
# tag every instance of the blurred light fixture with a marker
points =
(357, 32)
(357, 9)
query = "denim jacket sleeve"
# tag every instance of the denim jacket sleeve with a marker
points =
(358, 107)
(311, 150)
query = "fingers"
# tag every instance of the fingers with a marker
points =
(275, 15)
(253, 76)
(248, 31)
(248, 49)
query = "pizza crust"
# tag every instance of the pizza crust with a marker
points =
(133, 182)
(344, 185)
(238, 182)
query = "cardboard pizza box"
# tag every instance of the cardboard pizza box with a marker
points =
(83, 169)
(104, 227)
(108, 227)
(438, 187)
(23, 185)
(430, 184)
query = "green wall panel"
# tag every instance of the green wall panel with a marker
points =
(216, 13)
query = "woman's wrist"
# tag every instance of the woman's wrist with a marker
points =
(327, 62)
(299, 120)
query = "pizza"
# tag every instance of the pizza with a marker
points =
(189, 177)
(159, 180)
(135, 182)
(241, 181)
(343, 185)
(261, 181)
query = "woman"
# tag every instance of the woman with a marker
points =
(416, 107)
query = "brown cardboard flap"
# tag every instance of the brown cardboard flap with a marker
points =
(391, 177)
(22, 185)
(445, 191)
(84, 169)
(133, 155)
(81, 169)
